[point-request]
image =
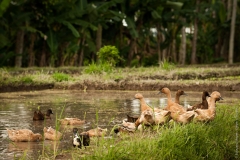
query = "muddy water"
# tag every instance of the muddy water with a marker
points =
(99, 108)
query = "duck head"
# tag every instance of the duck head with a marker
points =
(180, 93)
(75, 131)
(138, 96)
(49, 111)
(216, 95)
(206, 94)
(164, 90)
(37, 137)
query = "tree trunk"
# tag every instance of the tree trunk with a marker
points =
(99, 38)
(182, 55)
(232, 32)
(81, 55)
(159, 40)
(225, 46)
(19, 48)
(31, 53)
(73, 60)
(131, 51)
(173, 50)
(63, 55)
(43, 55)
(195, 34)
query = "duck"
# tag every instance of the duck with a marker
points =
(144, 106)
(97, 132)
(146, 118)
(207, 115)
(23, 135)
(162, 116)
(121, 129)
(72, 121)
(38, 115)
(158, 117)
(203, 104)
(129, 125)
(178, 112)
(51, 134)
(132, 118)
(178, 94)
(80, 139)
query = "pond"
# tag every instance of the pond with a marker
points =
(99, 108)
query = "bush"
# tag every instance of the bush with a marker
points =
(59, 77)
(109, 54)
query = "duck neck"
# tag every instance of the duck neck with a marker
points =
(143, 104)
(177, 99)
(211, 104)
(169, 99)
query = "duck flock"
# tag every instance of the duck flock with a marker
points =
(150, 116)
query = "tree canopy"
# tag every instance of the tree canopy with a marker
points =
(146, 33)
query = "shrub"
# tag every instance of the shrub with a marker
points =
(59, 77)
(109, 54)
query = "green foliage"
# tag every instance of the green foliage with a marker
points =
(26, 80)
(98, 68)
(167, 65)
(3, 6)
(59, 77)
(109, 54)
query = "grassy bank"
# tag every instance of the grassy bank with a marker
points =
(188, 77)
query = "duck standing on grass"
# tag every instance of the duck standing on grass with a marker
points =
(80, 139)
(203, 104)
(178, 112)
(206, 115)
(39, 116)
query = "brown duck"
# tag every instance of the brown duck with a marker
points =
(178, 112)
(206, 115)
(178, 94)
(39, 116)
(203, 104)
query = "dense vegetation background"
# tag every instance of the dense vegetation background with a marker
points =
(146, 33)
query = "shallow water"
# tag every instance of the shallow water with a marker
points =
(99, 108)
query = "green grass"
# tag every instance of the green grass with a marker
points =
(215, 140)
(59, 77)
(107, 75)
